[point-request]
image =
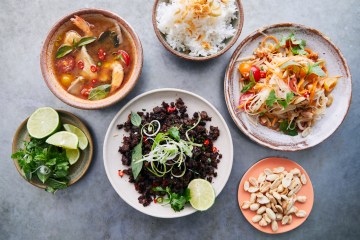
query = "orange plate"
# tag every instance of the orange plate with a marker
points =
(306, 190)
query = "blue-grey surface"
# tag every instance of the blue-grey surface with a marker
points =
(91, 209)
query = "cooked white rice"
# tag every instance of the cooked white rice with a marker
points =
(200, 36)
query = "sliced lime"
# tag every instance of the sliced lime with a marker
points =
(202, 194)
(73, 155)
(43, 122)
(64, 139)
(83, 141)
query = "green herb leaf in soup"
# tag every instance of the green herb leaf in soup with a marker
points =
(99, 92)
(136, 155)
(63, 50)
(85, 41)
(135, 119)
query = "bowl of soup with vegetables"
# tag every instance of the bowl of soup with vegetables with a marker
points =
(91, 59)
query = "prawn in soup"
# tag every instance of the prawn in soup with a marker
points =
(92, 57)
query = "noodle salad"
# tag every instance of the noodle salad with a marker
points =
(285, 86)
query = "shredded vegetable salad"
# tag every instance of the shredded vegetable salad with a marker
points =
(285, 86)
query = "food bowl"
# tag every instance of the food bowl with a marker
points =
(50, 47)
(334, 115)
(237, 24)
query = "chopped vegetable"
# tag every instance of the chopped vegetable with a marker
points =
(176, 201)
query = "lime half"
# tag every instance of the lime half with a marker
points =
(83, 141)
(202, 194)
(73, 155)
(64, 139)
(43, 122)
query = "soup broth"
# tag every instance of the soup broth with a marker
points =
(92, 57)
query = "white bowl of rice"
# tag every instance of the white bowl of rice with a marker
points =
(198, 29)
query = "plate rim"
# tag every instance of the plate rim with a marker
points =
(113, 122)
(83, 128)
(282, 159)
(231, 65)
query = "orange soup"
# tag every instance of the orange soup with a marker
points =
(92, 57)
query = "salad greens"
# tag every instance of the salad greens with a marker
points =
(297, 46)
(283, 102)
(176, 201)
(46, 162)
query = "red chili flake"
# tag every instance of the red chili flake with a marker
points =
(206, 142)
(93, 68)
(155, 201)
(80, 64)
(170, 109)
(214, 149)
(144, 139)
(121, 173)
(94, 81)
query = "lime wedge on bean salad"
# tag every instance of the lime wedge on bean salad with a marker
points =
(202, 194)
(43, 122)
(83, 141)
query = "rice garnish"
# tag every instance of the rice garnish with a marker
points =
(199, 27)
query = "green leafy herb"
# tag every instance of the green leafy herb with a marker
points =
(174, 133)
(271, 99)
(299, 45)
(316, 69)
(48, 162)
(99, 92)
(252, 83)
(283, 102)
(63, 50)
(135, 119)
(66, 49)
(176, 201)
(289, 130)
(85, 41)
(136, 155)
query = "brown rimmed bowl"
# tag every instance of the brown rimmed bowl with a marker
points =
(334, 115)
(77, 170)
(237, 24)
(47, 68)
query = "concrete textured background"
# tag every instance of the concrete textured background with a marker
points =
(91, 209)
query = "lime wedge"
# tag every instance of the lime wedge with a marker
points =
(73, 155)
(202, 194)
(83, 141)
(43, 122)
(64, 139)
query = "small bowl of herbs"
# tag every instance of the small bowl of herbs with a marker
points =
(52, 149)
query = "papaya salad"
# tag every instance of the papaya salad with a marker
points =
(285, 85)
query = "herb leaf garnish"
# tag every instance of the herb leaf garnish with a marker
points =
(99, 92)
(283, 102)
(63, 50)
(289, 130)
(136, 165)
(85, 41)
(135, 119)
(299, 45)
(174, 133)
(252, 83)
(176, 201)
(316, 69)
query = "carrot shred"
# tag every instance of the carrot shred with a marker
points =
(312, 92)
(269, 37)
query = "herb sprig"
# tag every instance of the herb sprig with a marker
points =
(283, 102)
(297, 46)
(66, 49)
(176, 201)
(46, 162)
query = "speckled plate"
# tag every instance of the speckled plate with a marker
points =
(335, 114)
(149, 100)
(306, 190)
(77, 170)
